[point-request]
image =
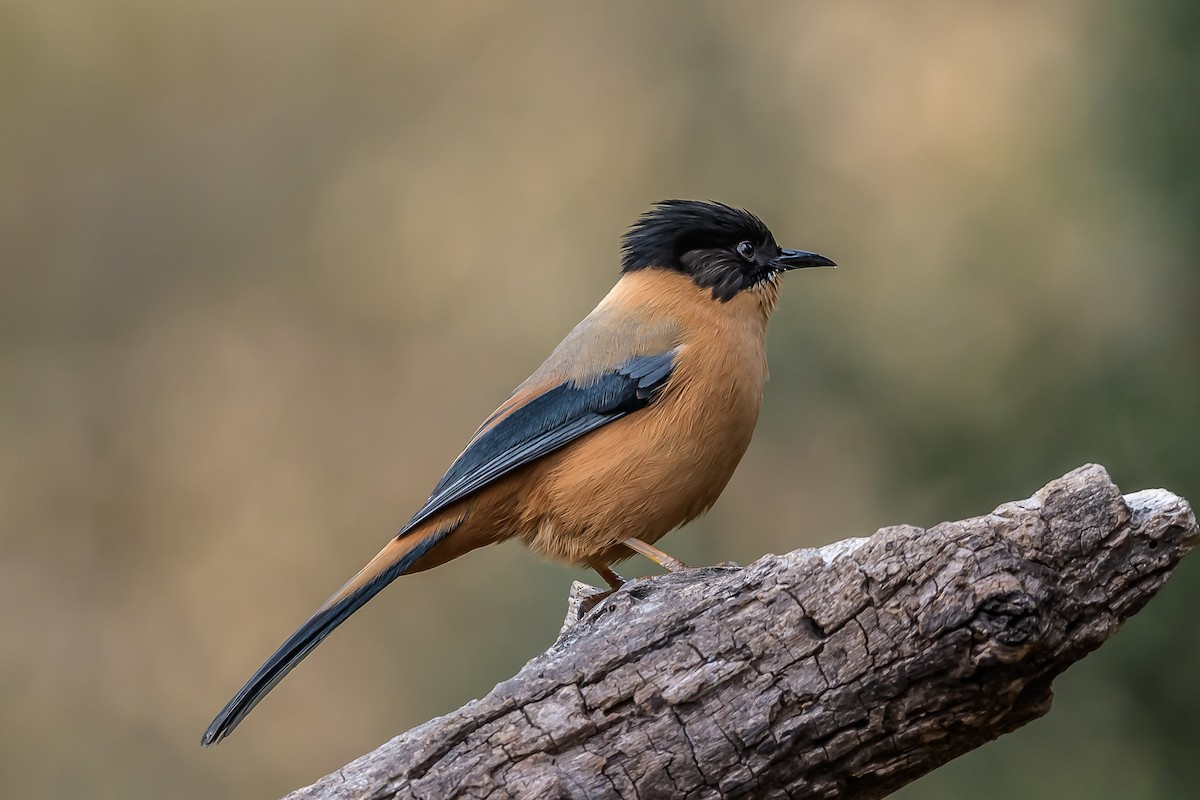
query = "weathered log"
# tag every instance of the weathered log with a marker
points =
(841, 672)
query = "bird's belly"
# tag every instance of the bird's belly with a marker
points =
(640, 476)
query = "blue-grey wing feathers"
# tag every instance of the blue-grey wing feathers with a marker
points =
(547, 422)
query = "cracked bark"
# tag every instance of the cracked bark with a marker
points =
(841, 672)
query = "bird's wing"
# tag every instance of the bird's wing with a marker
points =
(539, 420)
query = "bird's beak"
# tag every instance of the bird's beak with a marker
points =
(800, 259)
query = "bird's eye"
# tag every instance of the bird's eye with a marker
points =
(745, 250)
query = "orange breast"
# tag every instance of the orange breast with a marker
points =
(656, 469)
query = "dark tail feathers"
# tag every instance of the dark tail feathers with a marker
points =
(391, 562)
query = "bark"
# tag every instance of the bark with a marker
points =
(841, 672)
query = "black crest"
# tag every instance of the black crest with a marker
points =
(701, 239)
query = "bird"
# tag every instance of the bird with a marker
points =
(631, 427)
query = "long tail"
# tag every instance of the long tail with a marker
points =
(392, 561)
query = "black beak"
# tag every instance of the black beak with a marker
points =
(799, 259)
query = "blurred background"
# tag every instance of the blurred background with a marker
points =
(264, 267)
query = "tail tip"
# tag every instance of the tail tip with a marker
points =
(215, 733)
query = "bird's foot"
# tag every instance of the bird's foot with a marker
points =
(592, 600)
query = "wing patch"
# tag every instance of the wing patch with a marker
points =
(548, 422)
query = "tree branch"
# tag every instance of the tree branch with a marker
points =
(843, 672)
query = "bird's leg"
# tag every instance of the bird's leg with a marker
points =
(669, 563)
(611, 578)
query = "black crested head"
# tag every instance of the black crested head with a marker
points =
(723, 248)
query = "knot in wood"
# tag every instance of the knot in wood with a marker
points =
(1006, 624)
